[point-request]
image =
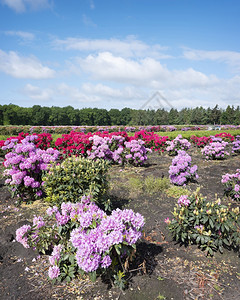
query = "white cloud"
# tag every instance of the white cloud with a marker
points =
(23, 67)
(129, 47)
(146, 72)
(229, 57)
(27, 36)
(105, 91)
(75, 93)
(36, 93)
(21, 6)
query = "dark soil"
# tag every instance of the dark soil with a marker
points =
(162, 268)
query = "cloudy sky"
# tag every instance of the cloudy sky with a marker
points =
(118, 53)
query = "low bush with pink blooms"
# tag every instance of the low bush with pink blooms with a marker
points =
(24, 164)
(179, 143)
(215, 150)
(83, 239)
(231, 184)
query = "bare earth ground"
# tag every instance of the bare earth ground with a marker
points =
(163, 269)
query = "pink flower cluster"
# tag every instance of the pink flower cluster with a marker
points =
(117, 149)
(183, 201)
(94, 233)
(232, 185)
(24, 166)
(177, 144)
(215, 150)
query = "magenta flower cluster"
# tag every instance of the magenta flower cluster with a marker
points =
(93, 237)
(117, 150)
(215, 150)
(177, 144)
(24, 165)
(232, 185)
(181, 171)
(183, 201)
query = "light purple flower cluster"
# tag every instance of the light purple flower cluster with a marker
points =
(109, 148)
(236, 145)
(135, 152)
(22, 235)
(215, 150)
(119, 151)
(24, 166)
(181, 171)
(232, 185)
(94, 235)
(183, 201)
(177, 144)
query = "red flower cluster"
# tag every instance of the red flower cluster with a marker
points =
(152, 140)
(200, 141)
(225, 136)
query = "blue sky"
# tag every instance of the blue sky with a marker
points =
(116, 54)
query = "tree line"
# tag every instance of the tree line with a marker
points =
(12, 114)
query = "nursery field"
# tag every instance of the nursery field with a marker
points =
(161, 269)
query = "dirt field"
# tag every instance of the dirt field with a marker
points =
(162, 268)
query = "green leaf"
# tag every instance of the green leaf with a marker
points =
(93, 276)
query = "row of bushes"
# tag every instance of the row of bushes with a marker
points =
(15, 130)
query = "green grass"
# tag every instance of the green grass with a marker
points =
(150, 185)
(198, 133)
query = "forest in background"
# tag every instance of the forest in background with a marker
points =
(12, 114)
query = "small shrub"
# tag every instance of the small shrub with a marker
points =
(181, 171)
(210, 225)
(232, 185)
(24, 165)
(83, 239)
(75, 177)
(177, 144)
(215, 150)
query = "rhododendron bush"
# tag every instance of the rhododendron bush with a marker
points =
(232, 185)
(215, 150)
(210, 225)
(177, 144)
(82, 238)
(181, 171)
(24, 166)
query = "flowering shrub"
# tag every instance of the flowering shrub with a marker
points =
(75, 143)
(210, 225)
(177, 144)
(108, 148)
(225, 136)
(118, 150)
(200, 142)
(75, 177)
(42, 140)
(135, 152)
(152, 140)
(215, 150)
(232, 185)
(24, 166)
(236, 145)
(84, 238)
(181, 171)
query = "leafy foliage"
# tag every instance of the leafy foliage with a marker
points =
(75, 177)
(210, 225)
